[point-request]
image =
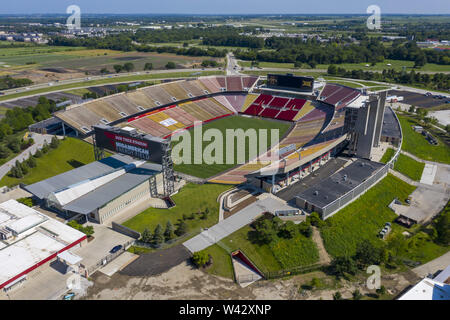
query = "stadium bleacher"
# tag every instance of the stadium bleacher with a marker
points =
(234, 83)
(338, 95)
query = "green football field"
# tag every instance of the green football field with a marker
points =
(205, 170)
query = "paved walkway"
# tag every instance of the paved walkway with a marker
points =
(433, 266)
(403, 177)
(266, 203)
(38, 143)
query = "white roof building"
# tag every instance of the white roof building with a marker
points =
(431, 289)
(30, 239)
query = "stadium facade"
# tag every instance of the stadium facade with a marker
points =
(100, 190)
(325, 119)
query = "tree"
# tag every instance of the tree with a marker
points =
(158, 236)
(332, 70)
(411, 109)
(45, 147)
(169, 233)
(265, 230)
(182, 229)
(4, 152)
(14, 145)
(118, 68)
(200, 258)
(312, 64)
(297, 64)
(442, 226)
(146, 236)
(420, 61)
(104, 71)
(288, 230)
(381, 290)
(171, 65)
(357, 295)
(31, 161)
(341, 266)
(314, 219)
(368, 254)
(38, 153)
(148, 66)
(128, 67)
(54, 143)
(337, 296)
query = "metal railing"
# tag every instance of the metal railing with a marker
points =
(343, 200)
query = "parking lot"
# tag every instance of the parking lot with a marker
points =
(104, 240)
(418, 100)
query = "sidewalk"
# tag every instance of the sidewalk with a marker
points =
(38, 143)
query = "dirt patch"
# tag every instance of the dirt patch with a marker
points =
(187, 282)
(324, 258)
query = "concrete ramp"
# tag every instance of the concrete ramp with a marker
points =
(428, 174)
(245, 271)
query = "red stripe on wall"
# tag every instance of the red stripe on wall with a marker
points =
(37, 265)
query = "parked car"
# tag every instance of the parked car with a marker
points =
(116, 248)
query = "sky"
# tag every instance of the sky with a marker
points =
(226, 6)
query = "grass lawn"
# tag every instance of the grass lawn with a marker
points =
(417, 145)
(409, 167)
(191, 198)
(387, 155)
(232, 122)
(397, 65)
(70, 154)
(248, 64)
(281, 254)
(364, 218)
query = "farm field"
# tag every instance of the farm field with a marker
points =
(232, 122)
(113, 80)
(417, 145)
(192, 198)
(364, 218)
(70, 154)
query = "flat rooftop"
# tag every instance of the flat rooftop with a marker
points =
(390, 128)
(84, 189)
(39, 238)
(338, 184)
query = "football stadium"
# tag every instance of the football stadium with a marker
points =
(298, 172)
(317, 120)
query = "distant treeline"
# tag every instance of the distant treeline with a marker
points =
(368, 50)
(11, 83)
(437, 81)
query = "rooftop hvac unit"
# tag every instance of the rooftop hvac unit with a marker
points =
(316, 193)
(5, 234)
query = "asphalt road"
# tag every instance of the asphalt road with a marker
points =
(38, 143)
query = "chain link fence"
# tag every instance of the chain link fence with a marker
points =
(339, 203)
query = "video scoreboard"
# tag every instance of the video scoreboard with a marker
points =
(290, 82)
(128, 141)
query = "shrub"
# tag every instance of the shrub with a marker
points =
(337, 296)
(356, 295)
(200, 258)
(182, 228)
(158, 236)
(341, 266)
(146, 236)
(169, 233)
